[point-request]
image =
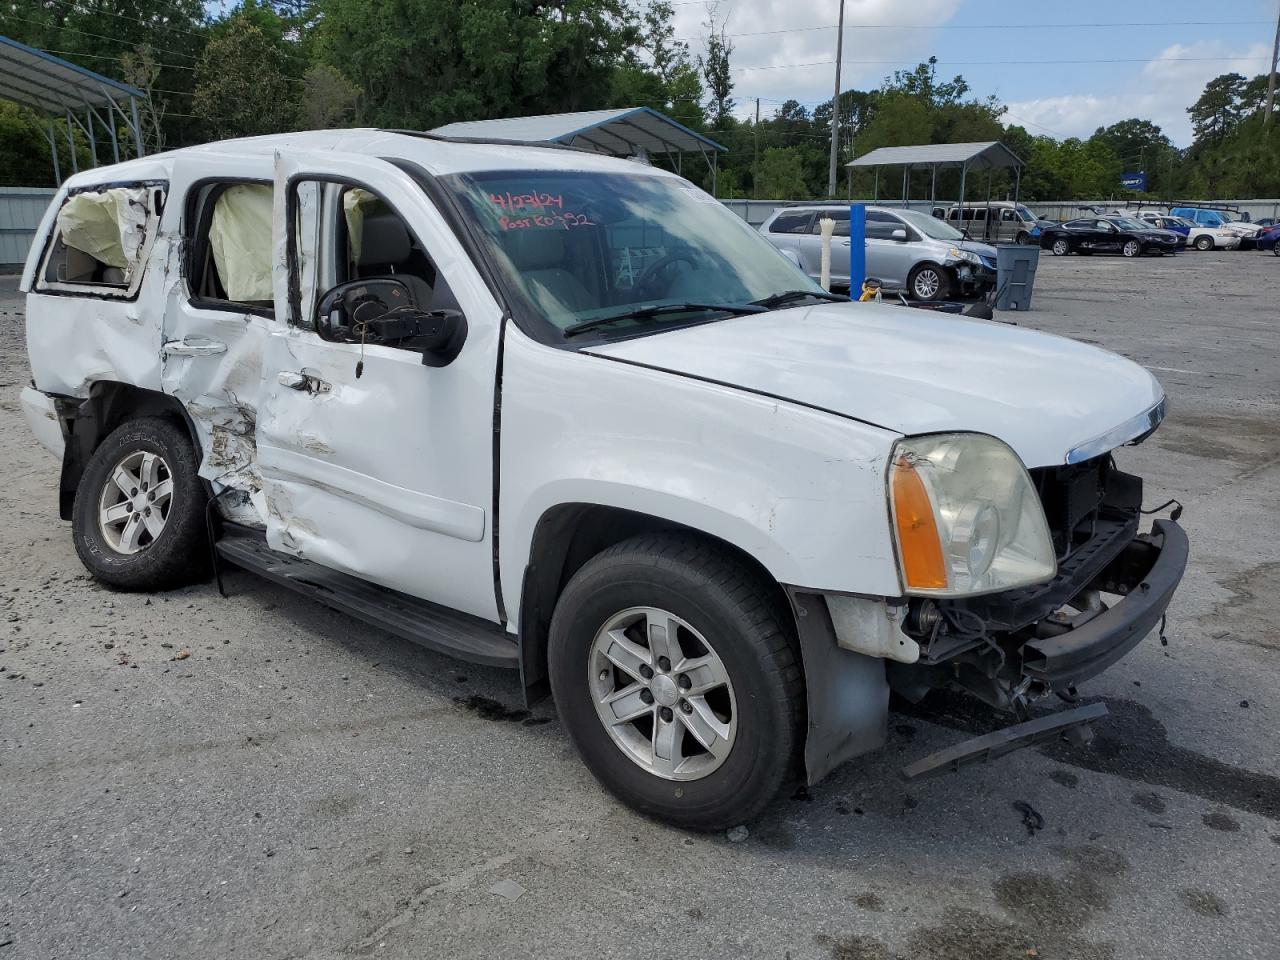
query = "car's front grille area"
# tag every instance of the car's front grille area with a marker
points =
(1077, 496)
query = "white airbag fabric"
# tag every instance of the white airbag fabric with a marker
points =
(240, 238)
(110, 225)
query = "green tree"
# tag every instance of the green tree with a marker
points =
(328, 98)
(782, 175)
(1218, 110)
(717, 72)
(242, 87)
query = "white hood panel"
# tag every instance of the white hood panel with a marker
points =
(914, 371)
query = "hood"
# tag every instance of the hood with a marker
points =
(914, 371)
(977, 246)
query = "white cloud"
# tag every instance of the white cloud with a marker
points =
(1161, 92)
(813, 84)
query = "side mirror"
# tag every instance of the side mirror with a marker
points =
(791, 255)
(382, 311)
(899, 234)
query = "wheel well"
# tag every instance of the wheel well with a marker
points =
(566, 537)
(109, 404)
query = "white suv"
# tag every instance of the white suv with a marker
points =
(565, 414)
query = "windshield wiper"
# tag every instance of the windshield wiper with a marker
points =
(778, 299)
(660, 309)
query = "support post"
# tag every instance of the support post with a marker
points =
(986, 223)
(933, 189)
(715, 170)
(71, 142)
(1271, 78)
(875, 193)
(53, 148)
(857, 248)
(964, 168)
(137, 127)
(93, 140)
(835, 108)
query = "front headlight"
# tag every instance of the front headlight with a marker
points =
(955, 253)
(966, 517)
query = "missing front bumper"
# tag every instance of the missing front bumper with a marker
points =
(1148, 572)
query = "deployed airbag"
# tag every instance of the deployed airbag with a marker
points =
(108, 225)
(240, 239)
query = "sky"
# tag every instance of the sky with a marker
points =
(1158, 53)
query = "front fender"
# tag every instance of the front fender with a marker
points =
(800, 490)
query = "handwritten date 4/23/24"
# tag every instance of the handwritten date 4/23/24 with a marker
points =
(539, 210)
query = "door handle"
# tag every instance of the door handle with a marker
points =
(195, 347)
(302, 381)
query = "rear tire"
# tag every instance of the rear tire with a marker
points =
(645, 590)
(929, 282)
(138, 519)
(1204, 243)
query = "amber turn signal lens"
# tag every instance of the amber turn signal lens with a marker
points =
(922, 563)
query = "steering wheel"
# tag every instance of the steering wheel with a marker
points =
(649, 278)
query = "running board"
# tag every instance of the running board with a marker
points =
(431, 625)
(1073, 724)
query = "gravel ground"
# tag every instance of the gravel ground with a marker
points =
(186, 776)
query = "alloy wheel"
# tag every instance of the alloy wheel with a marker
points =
(1061, 248)
(1132, 248)
(927, 284)
(135, 500)
(662, 693)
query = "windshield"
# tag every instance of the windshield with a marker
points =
(583, 245)
(930, 226)
(1026, 215)
(1128, 223)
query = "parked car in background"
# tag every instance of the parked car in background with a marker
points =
(1266, 222)
(1122, 235)
(1000, 221)
(1194, 235)
(1269, 239)
(906, 250)
(1221, 220)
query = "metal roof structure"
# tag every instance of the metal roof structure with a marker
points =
(988, 155)
(624, 132)
(59, 88)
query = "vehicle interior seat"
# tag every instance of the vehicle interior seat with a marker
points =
(387, 251)
(539, 256)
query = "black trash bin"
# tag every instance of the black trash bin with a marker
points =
(1015, 276)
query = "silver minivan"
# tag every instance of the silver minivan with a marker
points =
(906, 250)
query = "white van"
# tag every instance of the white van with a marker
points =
(997, 221)
(565, 414)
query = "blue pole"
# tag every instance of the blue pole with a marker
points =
(857, 248)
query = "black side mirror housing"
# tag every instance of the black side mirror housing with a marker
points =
(382, 311)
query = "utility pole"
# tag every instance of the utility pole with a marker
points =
(755, 167)
(1271, 79)
(835, 108)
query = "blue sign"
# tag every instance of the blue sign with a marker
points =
(857, 248)
(1134, 181)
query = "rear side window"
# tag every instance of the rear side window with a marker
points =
(228, 226)
(101, 239)
(841, 218)
(797, 222)
(880, 226)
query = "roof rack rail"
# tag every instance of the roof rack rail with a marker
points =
(490, 141)
(1201, 205)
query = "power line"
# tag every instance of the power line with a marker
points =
(975, 63)
(97, 36)
(985, 26)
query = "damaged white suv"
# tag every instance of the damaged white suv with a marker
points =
(552, 411)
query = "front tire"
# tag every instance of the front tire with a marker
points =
(929, 281)
(1022, 237)
(1204, 243)
(138, 518)
(675, 675)
(1061, 247)
(1132, 248)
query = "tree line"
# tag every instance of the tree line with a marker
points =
(267, 66)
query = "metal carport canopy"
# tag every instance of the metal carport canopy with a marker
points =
(988, 155)
(624, 132)
(59, 88)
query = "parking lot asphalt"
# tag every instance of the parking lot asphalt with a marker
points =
(187, 776)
